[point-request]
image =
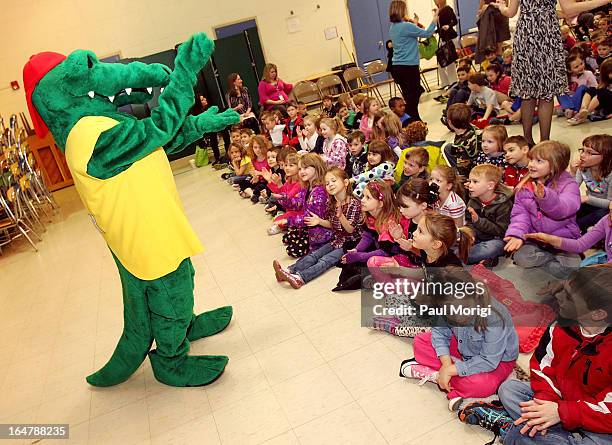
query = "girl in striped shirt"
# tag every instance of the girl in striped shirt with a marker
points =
(451, 190)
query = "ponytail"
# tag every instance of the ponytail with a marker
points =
(465, 240)
(334, 123)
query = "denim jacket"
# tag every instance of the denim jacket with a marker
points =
(481, 351)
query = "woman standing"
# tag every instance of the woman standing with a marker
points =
(238, 98)
(273, 92)
(538, 66)
(447, 20)
(404, 34)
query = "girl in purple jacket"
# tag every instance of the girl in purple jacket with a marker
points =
(547, 200)
(312, 198)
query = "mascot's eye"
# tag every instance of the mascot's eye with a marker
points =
(89, 62)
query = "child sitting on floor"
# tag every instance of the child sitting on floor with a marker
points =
(380, 166)
(594, 168)
(309, 138)
(398, 106)
(414, 166)
(293, 126)
(450, 185)
(546, 201)
(252, 185)
(343, 217)
(389, 130)
(483, 99)
(493, 138)
(312, 199)
(468, 356)
(357, 156)
(516, 149)
(466, 146)
(370, 108)
(488, 214)
(378, 208)
(285, 192)
(567, 400)
(335, 146)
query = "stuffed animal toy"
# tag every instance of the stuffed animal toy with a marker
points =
(123, 177)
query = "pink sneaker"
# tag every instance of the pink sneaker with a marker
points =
(411, 369)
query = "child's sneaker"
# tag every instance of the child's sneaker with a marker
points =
(411, 369)
(410, 331)
(491, 416)
(387, 324)
(274, 229)
(454, 404)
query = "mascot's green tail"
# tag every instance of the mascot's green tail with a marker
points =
(130, 352)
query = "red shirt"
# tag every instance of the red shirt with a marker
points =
(513, 175)
(502, 85)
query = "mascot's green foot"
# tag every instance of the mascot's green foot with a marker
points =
(210, 323)
(189, 370)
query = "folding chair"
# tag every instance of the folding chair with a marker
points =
(307, 92)
(329, 86)
(359, 77)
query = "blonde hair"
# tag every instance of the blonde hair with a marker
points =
(366, 105)
(499, 133)
(419, 155)
(507, 53)
(315, 161)
(358, 99)
(489, 172)
(335, 124)
(266, 71)
(556, 153)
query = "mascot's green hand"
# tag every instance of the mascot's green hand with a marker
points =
(211, 120)
(194, 54)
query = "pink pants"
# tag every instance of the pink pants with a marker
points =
(476, 385)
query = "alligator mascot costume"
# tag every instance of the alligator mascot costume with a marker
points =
(123, 177)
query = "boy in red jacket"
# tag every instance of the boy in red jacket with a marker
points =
(293, 126)
(569, 400)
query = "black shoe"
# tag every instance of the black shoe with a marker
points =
(226, 176)
(352, 283)
(490, 263)
(255, 199)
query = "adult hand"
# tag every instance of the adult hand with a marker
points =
(473, 214)
(445, 27)
(538, 415)
(553, 240)
(513, 244)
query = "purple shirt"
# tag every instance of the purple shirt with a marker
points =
(315, 201)
(601, 230)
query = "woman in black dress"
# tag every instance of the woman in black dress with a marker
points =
(538, 65)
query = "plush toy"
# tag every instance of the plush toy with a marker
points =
(123, 177)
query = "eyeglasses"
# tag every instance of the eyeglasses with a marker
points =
(588, 151)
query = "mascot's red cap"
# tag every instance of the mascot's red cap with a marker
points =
(36, 68)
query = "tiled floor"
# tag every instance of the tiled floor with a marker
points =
(301, 368)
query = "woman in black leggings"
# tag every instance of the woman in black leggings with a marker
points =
(404, 35)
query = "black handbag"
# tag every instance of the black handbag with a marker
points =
(296, 241)
(446, 53)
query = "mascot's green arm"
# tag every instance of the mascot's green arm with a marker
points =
(133, 139)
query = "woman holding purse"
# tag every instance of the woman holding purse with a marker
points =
(447, 20)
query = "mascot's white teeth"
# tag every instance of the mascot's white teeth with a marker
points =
(150, 90)
(128, 91)
(91, 94)
(161, 90)
(111, 98)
